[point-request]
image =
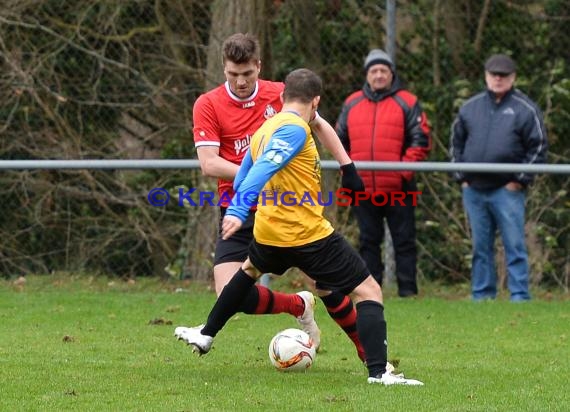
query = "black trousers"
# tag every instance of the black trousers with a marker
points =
(402, 224)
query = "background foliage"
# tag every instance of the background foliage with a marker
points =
(117, 79)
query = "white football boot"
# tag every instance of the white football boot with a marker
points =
(388, 379)
(193, 337)
(307, 319)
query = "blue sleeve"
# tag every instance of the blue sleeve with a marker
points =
(284, 144)
(246, 164)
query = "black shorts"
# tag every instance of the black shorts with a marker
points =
(332, 262)
(235, 248)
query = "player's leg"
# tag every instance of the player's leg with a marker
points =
(228, 258)
(371, 325)
(260, 299)
(373, 334)
(223, 273)
(341, 309)
(228, 304)
(318, 260)
(337, 266)
(268, 259)
(342, 269)
(249, 296)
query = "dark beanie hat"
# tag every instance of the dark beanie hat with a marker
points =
(377, 56)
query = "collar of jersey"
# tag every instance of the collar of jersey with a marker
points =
(291, 111)
(237, 99)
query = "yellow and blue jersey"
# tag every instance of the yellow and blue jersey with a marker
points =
(281, 171)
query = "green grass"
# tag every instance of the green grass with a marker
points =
(83, 344)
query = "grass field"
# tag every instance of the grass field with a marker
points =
(77, 344)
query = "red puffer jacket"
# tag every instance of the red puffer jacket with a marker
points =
(384, 126)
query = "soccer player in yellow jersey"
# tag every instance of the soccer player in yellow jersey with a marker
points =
(224, 119)
(289, 213)
(282, 158)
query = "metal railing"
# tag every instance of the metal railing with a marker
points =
(326, 164)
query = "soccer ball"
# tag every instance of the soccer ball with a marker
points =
(292, 350)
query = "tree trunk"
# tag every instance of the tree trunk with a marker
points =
(456, 31)
(229, 17)
(306, 33)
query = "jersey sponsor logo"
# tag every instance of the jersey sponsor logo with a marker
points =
(269, 111)
(280, 150)
(280, 144)
(248, 105)
(241, 145)
(274, 156)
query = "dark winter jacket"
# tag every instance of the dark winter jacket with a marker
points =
(384, 126)
(511, 131)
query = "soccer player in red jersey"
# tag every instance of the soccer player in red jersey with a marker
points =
(225, 118)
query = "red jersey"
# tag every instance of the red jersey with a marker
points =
(224, 120)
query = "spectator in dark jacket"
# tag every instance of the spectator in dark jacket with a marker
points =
(384, 122)
(498, 125)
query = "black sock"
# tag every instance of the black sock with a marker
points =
(228, 303)
(332, 300)
(372, 332)
(251, 301)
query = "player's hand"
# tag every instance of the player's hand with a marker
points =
(230, 225)
(351, 179)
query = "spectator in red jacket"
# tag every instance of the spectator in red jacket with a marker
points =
(384, 122)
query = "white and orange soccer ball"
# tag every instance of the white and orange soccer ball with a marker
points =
(292, 350)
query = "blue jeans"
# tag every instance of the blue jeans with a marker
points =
(489, 210)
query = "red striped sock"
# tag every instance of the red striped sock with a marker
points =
(277, 302)
(341, 309)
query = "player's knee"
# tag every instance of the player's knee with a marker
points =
(251, 270)
(322, 293)
(223, 273)
(368, 290)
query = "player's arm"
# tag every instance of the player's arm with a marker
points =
(283, 146)
(329, 139)
(207, 135)
(243, 170)
(341, 127)
(213, 165)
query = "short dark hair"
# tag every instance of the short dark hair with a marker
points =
(302, 85)
(241, 48)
